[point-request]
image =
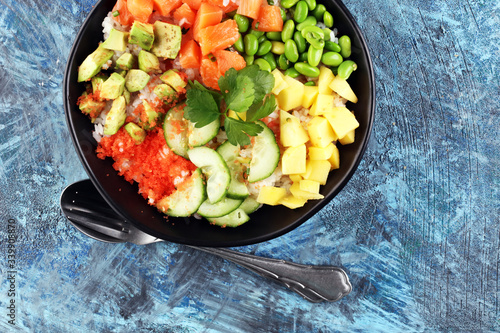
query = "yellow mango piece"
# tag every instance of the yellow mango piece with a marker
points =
(325, 77)
(317, 170)
(320, 132)
(342, 87)
(292, 202)
(323, 104)
(311, 186)
(292, 133)
(341, 120)
(270, 195)
(335, 158)
(242, 115)
(295, 178)
(279, 81)
(298, 193)
(348, 138)
(294, 160)
(291, 97)
(310, 93)
(321, 153)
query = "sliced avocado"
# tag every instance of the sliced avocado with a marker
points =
(117, 40)
(142, 34)
(88, 104)
(148, 62)
(93, 63)
(126, 61)
(135, 132)
(113, 86)
(167, 42)
(151, 116)
(116, 116)
(97, 82)
(136, 79)
(126, 94)
(166, 93)
(174, 79)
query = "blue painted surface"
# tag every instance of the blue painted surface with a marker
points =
(417, 228)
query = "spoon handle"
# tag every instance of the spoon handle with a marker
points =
(314, 283)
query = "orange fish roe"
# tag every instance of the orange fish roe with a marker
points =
(155, 168)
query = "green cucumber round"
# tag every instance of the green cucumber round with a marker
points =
(265, 155)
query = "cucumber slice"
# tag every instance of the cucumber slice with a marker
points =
(249, 205)
(186, 200)
(233, 219)
(265, 155)
(200, 136)
(237, 189)
(215, 170)
(174, 130)
(221, 208)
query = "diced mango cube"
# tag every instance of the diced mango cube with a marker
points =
(342, 87)
(298, 193)
(317, 170)
(270, 195)
(348, 138)
(335, 158)
(294, 160)
(310, 93)
(291, 96)
(321, 153)
(295, 178)
(323, 104)
(292, 202)
(342, 121)
(307, 185)
(325, 77)
(242, 115)
(279, 81)
(292, 133)
(320, 132)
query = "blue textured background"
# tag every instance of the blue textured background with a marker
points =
(417, 228)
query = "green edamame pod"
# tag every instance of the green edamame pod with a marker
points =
(292, 72)
(332, 46)
(264, 48)
(242, 22)
(291, 51)
(314, 56)
(288, 29)
(311, 4)
(239, 45)
(288, 3)
(301, 11)
(283, 62)
(328, 19)
(251, 44)
(278, 47)
(310, 83)
(306, 69)
(249, 59)
(333, 59)
(346, 68)
(273, 35)
(345, 46)
(310, 20)
(269, 57)
(319, 11)
(300, 41)
(263, 64)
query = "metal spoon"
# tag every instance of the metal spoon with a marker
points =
(89, 213)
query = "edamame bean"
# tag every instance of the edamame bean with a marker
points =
(332, 46)
(310, 20)
(300, 41)
(262, 39)
(303, 57)
(314, 56)
(278, 47)
(288, 3)
(345, 46)
(273, 35)
(328, 19)
(288, 29)
(346, 68)
(291, 51)
(251, 44)
(239, 45)
(311, 4)
(292, 72)
(319, 11)
(264, 65)
(328, 33)
(242, 22)
(249, 59)
(309, 83)
(283, 14)
(269, 57)
(314, 35)
(306, 69)
(332, 59)
(264, 48)
(283, 63)
(301, 11)
(256, 33)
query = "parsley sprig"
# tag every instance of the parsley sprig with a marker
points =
(242, 91)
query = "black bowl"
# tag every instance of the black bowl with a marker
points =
(269, 221)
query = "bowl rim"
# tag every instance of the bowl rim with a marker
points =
(229, 243)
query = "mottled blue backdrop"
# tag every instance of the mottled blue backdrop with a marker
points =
(417, 228)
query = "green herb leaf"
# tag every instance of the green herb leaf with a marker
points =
(201, 107)
(238, 90)
(197, 85)
(265, 109)
(238, 131)
(264, 81)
